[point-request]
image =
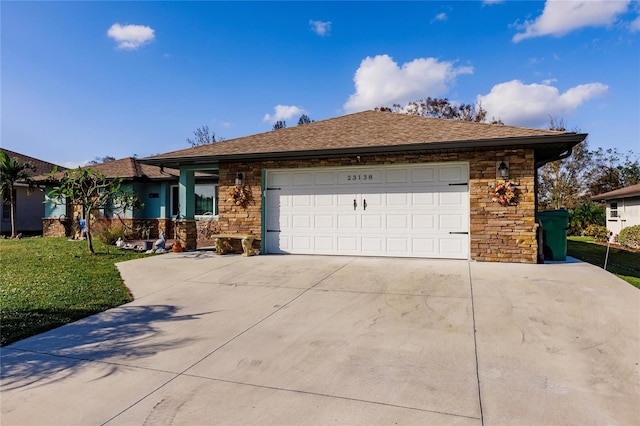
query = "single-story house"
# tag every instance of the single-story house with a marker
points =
(377, 184)
(623, 207)
(155, 186)
(29, 201)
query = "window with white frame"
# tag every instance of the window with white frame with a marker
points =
(613, 210)
(206, 199)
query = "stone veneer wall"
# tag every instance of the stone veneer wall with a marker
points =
(497, 233)
(53, 228)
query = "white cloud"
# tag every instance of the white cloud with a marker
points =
(131, 37)
(380, 81)
(560, 17)
(440, 17)
(319, 27)
(489, 2)
(519, 104)
(635, 25)
(283, 112)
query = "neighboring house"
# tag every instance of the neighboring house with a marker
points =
(623, 207)
(157, 189)
(29, 201)
(376, 184)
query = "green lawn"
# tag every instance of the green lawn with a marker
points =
(48, 282)
(623, 263)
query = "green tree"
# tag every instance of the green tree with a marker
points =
(92, 190)
(13, 171)
(563, 183)
(202, 136)
(612, 170)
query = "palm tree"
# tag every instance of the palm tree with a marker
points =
(12, 171)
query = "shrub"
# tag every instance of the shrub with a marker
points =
(584, 215)
(108, 231)
(598, 232)
(630, 237)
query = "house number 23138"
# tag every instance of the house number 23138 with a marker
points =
(355, 178)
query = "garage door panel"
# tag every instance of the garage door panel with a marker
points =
(423, 222)
(397, 246)
(348, 244)
(451, 222)
(450, 199)
(400, 199)
(324, 200)
(347, 222)
(411, 210)
(324, 245)
(278, 179)
(424, 246)
(302, 221)
(452, 246)
(397, 176)
(346, 200)
(372, 245)
(324, 178)
(423, 174)
(423, 199)
(301, 200)
(398, 222)
(301, 243)
(372, 202)
(452, 173)
(372, 222)
(324, 221)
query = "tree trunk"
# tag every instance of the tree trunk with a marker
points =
(87, 222)
(12, 204)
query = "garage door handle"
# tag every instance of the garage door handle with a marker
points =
(355, 204)
(364, 204)
(458, 233)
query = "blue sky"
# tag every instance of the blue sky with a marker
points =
(88, 79)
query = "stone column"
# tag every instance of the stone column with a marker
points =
(187, 233)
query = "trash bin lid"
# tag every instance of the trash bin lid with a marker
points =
(554, 213)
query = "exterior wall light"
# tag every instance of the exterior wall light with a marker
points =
(502, 170)
(239, 179)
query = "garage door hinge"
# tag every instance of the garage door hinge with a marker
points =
(459, 184)
(459, 233)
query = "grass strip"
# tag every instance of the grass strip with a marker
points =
(49, 282)
(625, 264)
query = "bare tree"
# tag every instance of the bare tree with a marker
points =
(304, 119)
(442, 108)
(202, 137)
(280, 124)
(99, 160)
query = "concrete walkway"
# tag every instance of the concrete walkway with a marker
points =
(338, 340)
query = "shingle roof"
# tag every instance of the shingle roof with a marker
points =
(131, 168)
(629, 191)
(127, 168)
(42, 167)
(363, 130)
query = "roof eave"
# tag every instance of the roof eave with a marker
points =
(540, 143)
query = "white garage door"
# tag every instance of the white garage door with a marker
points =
(418, 210)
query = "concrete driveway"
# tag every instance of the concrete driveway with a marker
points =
(339, 340)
